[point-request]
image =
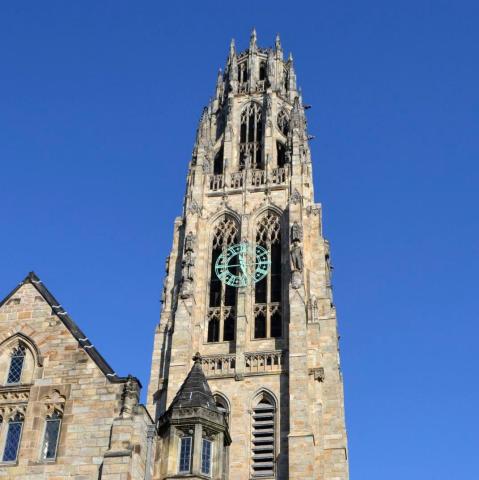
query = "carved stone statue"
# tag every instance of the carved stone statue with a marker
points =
(189, 242)
(129, 397)
(247, 160)
(296, 257)
(269, 106)
(187, 266)
(271, 66)
(296, 232)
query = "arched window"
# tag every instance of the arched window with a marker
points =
(251, 136)
(242, 73)
(223, 406)
(283, 122)
(16, 364)
(218, 162)
(51, 436)
(263, 436)
(262, 70)
(12, 441)
(222, 297)
(280, 154)
(268, 322)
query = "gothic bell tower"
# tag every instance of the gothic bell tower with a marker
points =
(268, 344)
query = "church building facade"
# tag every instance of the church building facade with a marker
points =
(245, 377)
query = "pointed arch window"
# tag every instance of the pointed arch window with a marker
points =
(251, 137)
(222, 297)
(16, 364)
(12, 440)
(283, 122)
(262, 70)
(222, 406)
(51, 436)
(267, 311)
(218, 162)
(263, 437)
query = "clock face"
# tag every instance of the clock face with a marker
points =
(242, 265)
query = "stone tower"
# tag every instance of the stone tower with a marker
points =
(269, 349)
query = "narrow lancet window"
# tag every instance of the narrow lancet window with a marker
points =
(206, 450)
(16, 364)
(185, 455)
(12, 441)
(267, 321)
(263, 437)
(222, 297)
(218, 162)
(52, 434)
(251, 137)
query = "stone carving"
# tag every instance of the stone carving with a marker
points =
(194, 208)
(318, 373)
(296, 257)
(187, 266)
(54, 402)
(129, 397)
(296, 232)
(313, 309)
(269, 105)
(296, 253)
(206, 166)
(189, 241)
(295, 197)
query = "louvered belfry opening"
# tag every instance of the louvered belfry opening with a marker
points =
(263, 438)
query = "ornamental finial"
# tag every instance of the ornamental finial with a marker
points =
(197, 357)
(252, 39)
(278, 42)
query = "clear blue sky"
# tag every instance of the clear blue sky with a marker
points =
(99, 103)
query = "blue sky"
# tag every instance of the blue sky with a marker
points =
(99, 106)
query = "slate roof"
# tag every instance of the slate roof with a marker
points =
(195, 391)
(82, 339)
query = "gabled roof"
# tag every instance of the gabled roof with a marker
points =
(195, 391)
(60, 312)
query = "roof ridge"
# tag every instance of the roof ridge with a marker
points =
(74, 329)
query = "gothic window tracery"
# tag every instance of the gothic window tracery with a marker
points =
(267, 309)
(263, 436)
(251, 136)
(283, 122)
(222, 297)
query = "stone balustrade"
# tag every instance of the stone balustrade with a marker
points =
(218, 365)
(248, 178)
(262, 362)
(255, 363)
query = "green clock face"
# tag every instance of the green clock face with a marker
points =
(242, 265)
